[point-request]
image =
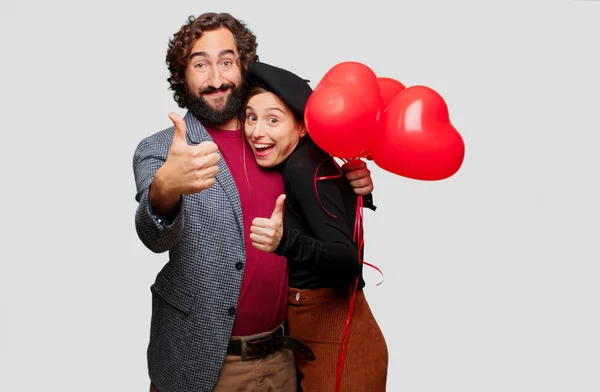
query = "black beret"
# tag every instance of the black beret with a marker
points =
(289, 87)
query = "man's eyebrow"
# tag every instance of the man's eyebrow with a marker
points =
(203, 53)
(225, 52)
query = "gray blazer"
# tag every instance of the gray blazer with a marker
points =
(195, 295)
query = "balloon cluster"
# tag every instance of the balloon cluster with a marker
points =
(353, 113)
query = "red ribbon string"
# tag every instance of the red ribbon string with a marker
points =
(359, 241)
(357, 238)
(341, 173)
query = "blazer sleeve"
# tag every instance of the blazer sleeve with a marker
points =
(157, 233)
(331, 249)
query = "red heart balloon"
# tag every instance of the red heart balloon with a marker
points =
(338, 121)
(417, 139)
(350, 74)
(346, 125)
(358, 77)
(389, 88)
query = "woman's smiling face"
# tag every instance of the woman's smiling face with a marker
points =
(271, 129)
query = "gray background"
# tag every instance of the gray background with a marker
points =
(491, 276)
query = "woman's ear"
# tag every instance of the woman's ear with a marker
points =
(302, 130)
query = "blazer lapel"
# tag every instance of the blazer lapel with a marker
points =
(196, 133)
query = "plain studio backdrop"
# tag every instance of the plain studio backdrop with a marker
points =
(491, 277)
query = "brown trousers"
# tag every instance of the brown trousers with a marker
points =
(273, 373)
(318, 318)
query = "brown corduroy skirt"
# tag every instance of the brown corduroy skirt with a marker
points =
(318, 318)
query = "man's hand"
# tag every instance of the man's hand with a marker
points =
(359, 176)
(266, 233)
(187, 170)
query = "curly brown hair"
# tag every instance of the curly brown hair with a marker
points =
(180, 47)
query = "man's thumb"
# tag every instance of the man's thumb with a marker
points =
(179, 124)
(279, 204)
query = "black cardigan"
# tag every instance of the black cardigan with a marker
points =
(319, 248)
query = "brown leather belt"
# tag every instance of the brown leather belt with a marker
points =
(263, 344)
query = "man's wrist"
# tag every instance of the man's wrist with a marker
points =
(163, 201)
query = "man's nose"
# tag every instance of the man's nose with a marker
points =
(214, 78)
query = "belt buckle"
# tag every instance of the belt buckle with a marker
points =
(259, 338)
(244, 348)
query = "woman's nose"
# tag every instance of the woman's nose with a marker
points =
(258, 131)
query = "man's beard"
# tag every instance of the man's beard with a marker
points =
(206, 114)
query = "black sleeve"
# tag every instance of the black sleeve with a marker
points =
(368, 202)
(332, 249)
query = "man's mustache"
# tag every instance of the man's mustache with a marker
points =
(223, 87)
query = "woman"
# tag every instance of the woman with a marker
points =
(317, 239)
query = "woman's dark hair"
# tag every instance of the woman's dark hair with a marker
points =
(180, 47)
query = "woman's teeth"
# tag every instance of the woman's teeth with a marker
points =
(262, 146)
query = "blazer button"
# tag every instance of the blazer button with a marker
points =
(231, 311)
(239, 265)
